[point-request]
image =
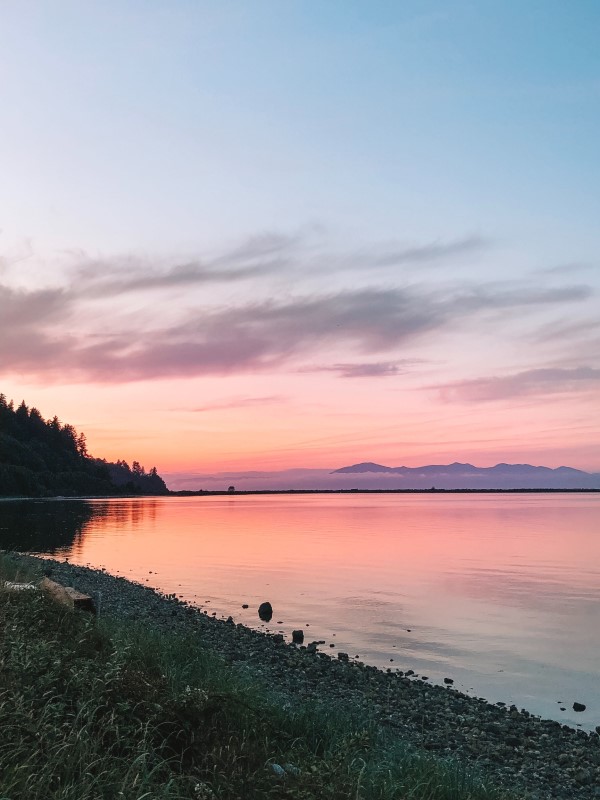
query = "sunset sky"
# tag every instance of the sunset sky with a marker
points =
(262, 235)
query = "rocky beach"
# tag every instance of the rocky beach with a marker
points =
(529, 756)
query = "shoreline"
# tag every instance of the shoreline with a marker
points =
(515, 749)
(215, 492)
(246, 492)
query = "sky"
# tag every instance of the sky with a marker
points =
(265, 236)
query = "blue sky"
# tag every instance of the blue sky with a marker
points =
(434, 148)
(136, 124)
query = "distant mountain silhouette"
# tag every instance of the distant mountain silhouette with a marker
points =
(468, 476)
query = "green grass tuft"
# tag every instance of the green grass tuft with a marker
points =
(102, 711)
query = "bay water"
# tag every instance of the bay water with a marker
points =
(499, 592)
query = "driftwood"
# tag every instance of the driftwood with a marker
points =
(11, 586)
(67, 595)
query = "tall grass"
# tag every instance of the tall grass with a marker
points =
(106, 711)
(13, 570)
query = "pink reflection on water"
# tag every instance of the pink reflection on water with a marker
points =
(500, 591)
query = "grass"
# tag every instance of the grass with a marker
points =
(13, 570)
(105, 711)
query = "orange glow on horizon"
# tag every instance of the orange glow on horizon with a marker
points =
(158, 425)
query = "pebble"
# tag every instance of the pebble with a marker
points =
(544, 759)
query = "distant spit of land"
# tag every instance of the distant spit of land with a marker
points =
(244, 492)
(369, 477)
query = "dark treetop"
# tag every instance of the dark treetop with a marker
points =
(44, 458)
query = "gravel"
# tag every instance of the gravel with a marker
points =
(538, 758)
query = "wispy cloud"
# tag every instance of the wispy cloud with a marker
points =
(264, 245)
(256, 257)
(371, 369)
(241, 402)
(106, 282)
(532, 382)
(256, 335)
(105, 279)
(81, 332)
(567, 269)
(21, 308)
(567, 330)
(431, 252)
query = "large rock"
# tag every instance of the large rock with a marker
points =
(265, 612)
(67, 595)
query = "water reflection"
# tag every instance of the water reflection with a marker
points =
(45, 526)
(54, 527)
(500, 592)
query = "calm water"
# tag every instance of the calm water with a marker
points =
(501, 593)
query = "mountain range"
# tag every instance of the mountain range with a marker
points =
(368, 475)
(468, 476)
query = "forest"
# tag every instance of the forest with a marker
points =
(46, 458)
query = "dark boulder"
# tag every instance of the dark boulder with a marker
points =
(265, 612)
(298, 636)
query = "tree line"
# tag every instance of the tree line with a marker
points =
(45, 458)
